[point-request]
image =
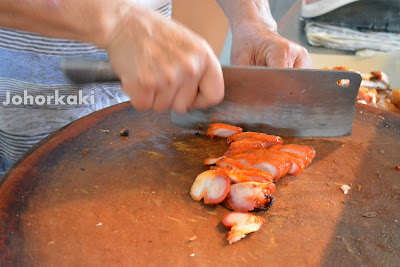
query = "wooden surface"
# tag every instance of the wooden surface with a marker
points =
(126, 202)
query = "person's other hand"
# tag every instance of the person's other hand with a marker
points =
(163, 65)
(255, 44)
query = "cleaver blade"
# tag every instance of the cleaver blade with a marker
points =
(286, 102)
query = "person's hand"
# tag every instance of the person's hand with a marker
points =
(256, 44)
(163, 65)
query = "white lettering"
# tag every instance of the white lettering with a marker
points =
(82, 99)
(72, 100)
(92, 98)
(40, 100)
(49, 98)
(26, 97)
(7, 99)
(58, 99)
(17, 100)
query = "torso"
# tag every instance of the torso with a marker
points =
(32, 62)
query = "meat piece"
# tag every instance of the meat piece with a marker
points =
(238, 147)
(212, 185)
(236, 175)
(368, 95)
(240, 176)
(259, 175)
(375, 80)
(388, 105)
(300, 156)
(272, 161)
(240, 224)
(299, 150)
(212, 160)
(250, 196)
(394, 97)
(222, 130)
(233, 163)
(298, 164)
(253, 173)
(341, 68)
(378, 75)
(270, 139)
(244, 145)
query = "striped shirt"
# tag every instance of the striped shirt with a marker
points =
(30, 71)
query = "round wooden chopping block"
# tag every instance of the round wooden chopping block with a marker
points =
(88, 196)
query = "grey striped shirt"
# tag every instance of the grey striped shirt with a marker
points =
(30, 65)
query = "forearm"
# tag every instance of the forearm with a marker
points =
(84, 20)
(255, 40)
(240, 12)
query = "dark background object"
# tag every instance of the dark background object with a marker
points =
(375, 15)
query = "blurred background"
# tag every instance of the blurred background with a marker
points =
(210, 22)
(357, 35)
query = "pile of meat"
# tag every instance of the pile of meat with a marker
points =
(375, 91)
(242, 179)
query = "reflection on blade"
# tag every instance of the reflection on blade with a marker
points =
(287, 102)
(275, 120)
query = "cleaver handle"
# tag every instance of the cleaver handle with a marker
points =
(82, 71)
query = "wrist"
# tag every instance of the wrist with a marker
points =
(244, 14)
(108, 21)
(253, 27)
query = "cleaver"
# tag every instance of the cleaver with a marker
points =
(285, 102)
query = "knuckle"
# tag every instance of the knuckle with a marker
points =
(206, 49)
(170, 79)
(147, 84)
(303, 51)
(210, 56)
(287, 46)
(203, 44)
(191, 68)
